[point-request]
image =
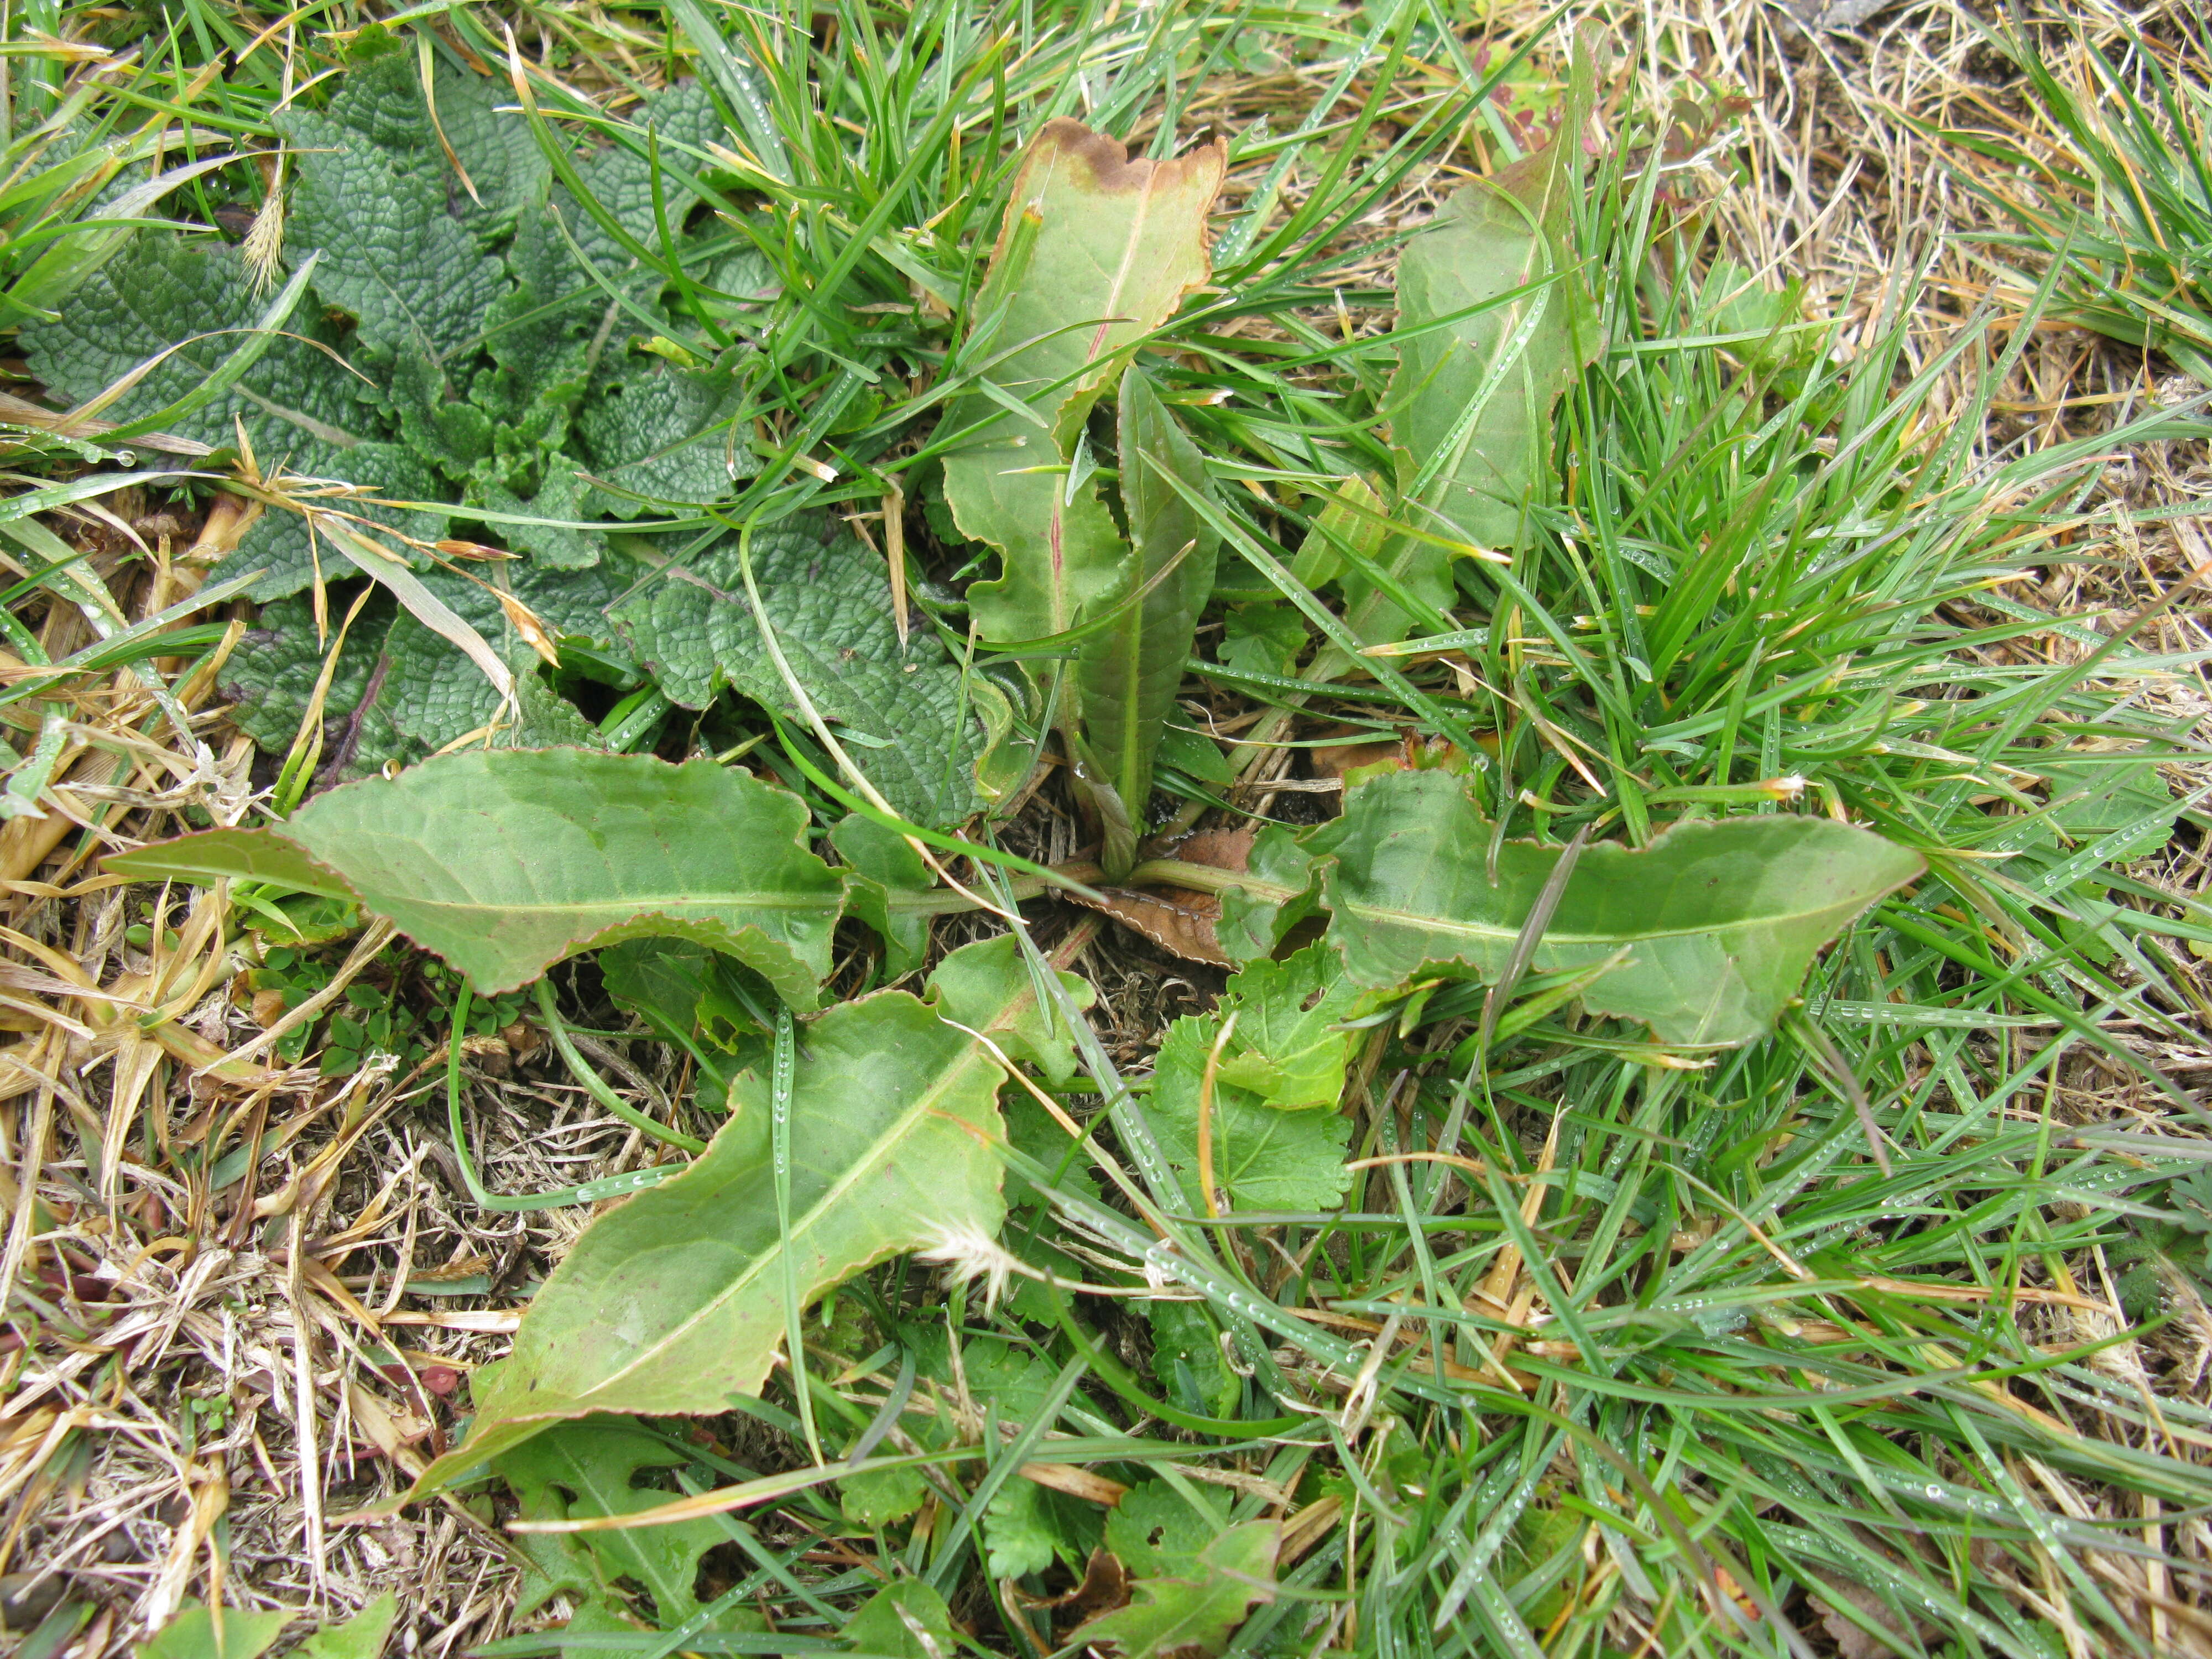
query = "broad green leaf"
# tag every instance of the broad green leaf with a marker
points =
(924, 733)
(214, 855)
(2095, 794)
(971, 989)
(1286, 1048)
(1263, 639)
(1471, 401)
(1353, 518)
(1029, 1526)
(1155, 1530)
(505, 863)
(1719, 919)
(877, 1498)
(1188, 1359)
(1096, 250)
(1194, 755)
(694, 997)
(884, 865)
(1284, 870)
(591, 1469)
(1263, 1158)
(673, 1302)
(198, 1632)
(1127, 674)
(1191, 1617)
(361, 1636)
(905, 1620)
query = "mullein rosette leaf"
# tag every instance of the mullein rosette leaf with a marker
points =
(470, 343)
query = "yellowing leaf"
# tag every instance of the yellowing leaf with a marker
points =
(1096, 251)
(1471, 403)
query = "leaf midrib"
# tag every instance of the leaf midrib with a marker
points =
(969, 1054)
(629, 904)
(1431, 922)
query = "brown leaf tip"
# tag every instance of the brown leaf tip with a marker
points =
(1107, 159)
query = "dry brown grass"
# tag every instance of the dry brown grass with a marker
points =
(197, 1383)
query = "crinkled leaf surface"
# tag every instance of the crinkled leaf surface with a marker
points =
(1192, 1617)
(505, 863)
(296, 406)
(393, 255)
(673, 1302)
(655, 429)
(489, 364)
(1471, 403)
(1720, 918)
(1096, 252)
(922, 731)
(1127, 674)
(399, 691)
(379, 102)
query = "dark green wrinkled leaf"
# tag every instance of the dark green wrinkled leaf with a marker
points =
(488, 366)
(393, 255)
(926, 735)
(399, 691)
(295, 406)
